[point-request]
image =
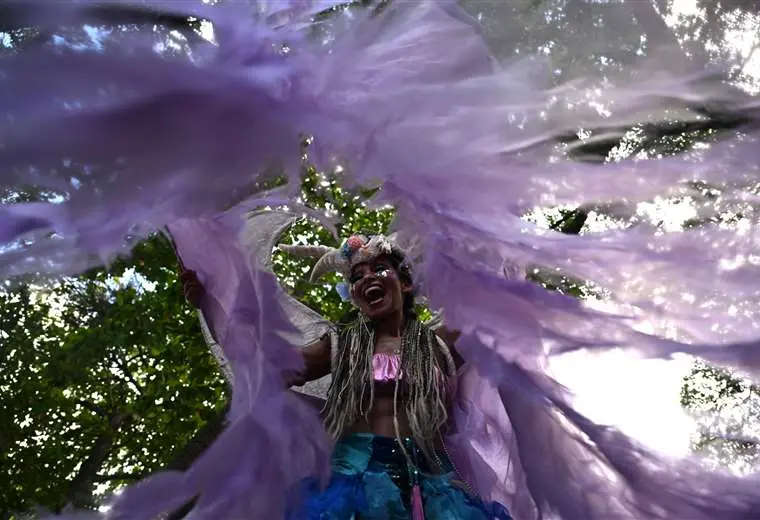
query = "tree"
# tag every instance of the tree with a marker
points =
(727, 409)
(105, 379)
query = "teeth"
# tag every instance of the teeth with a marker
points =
(374, 293)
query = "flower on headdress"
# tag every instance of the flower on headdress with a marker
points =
(353, 244)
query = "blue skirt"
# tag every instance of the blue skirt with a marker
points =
(372, 479)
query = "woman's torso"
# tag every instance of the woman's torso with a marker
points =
(384, 417)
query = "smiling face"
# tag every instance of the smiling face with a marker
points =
(377, 289)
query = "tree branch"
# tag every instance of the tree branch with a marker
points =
(117, 476)
(79, 494)
(121, 365)
(749, 57)
(185, 456)
(93, 408)
(572, 222)
(15, 16)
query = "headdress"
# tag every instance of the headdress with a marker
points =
(355, 250)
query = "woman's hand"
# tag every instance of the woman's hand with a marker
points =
(317, 361)
(192, 287)
(293, 378)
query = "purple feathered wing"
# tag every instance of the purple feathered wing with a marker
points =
(273, 438)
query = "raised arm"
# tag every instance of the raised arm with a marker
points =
(450, 337)
(317, 363)
(316, 356)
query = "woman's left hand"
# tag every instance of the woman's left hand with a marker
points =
(192, 287)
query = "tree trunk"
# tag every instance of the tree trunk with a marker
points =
(79, 495)
(185, 457)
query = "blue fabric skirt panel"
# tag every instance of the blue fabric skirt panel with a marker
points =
(372, 479)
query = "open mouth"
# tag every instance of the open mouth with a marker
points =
(374, 293)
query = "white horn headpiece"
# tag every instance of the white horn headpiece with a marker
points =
(356, 249)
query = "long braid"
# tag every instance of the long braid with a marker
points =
(426, 401)
(351, 394)
(346, 398)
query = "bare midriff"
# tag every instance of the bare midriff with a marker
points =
(380, 419)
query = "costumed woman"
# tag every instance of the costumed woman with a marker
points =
(394, 380)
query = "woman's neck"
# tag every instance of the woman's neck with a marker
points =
(389, 326)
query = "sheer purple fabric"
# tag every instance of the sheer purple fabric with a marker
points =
(141, 129)
(273, 439)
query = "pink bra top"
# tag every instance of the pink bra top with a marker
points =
(386, 366)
